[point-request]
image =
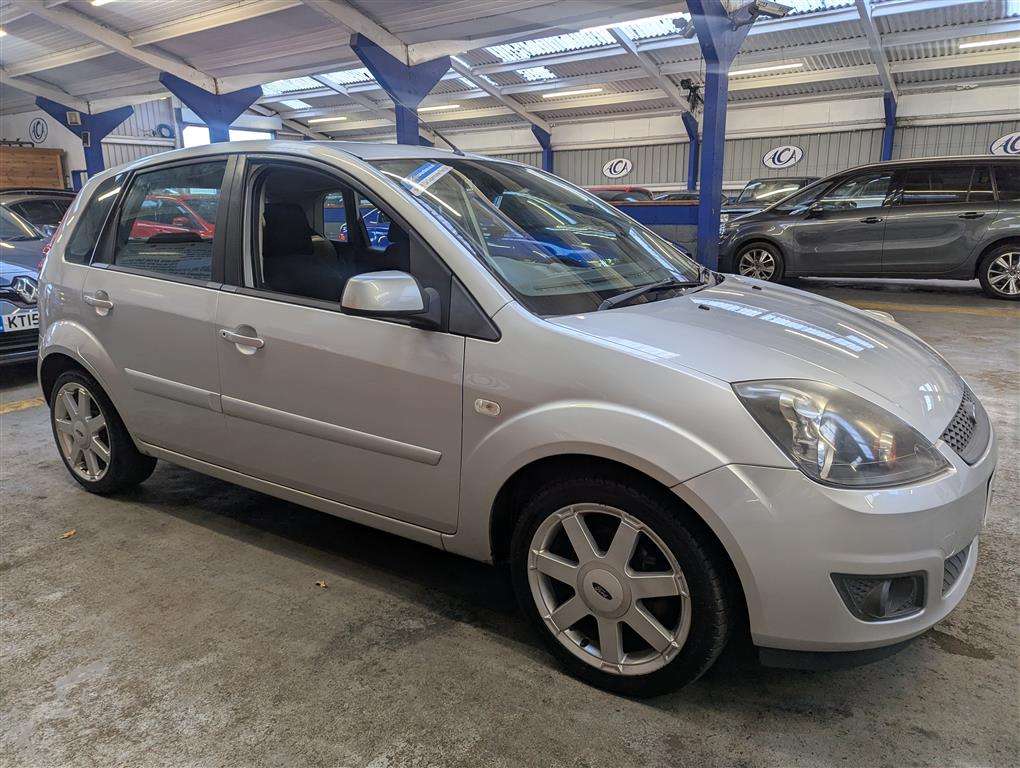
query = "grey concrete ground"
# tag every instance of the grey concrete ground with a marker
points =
(182, 626)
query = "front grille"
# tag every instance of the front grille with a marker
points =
(953, 567)
(13, 342)
(968, 431)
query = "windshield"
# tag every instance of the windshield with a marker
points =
(14, 228)
(559, 250)
(768, 191)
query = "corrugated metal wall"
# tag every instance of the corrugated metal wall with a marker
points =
(141, 126)
(653, 164)
(941, 140)
(824, 153)
(529, 158)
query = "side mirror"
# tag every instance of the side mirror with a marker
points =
(815, 210)
(392, 294)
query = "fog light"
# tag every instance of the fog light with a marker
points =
(879, 598)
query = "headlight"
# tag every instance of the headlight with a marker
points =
(837, 438)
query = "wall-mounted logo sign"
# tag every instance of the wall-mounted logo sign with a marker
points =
(1006, 145)
(38, 130)
(617, 167)
(782, 157)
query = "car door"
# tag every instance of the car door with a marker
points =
(842, 232)
(151, 303)
(361, 411)
(938, 217)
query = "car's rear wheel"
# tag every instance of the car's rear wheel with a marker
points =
(761, 261)
(628, 593)
(999, 272)
(93, 441)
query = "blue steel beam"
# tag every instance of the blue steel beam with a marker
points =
(889, 133)
(406, 85)
(694, 149)
(544, 139)
(216, 110)
(720, 40)
(93, 129)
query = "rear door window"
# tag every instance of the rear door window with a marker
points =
(937, 185)
(155, 233)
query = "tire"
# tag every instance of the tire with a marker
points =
(696, 629)
(999, 272)
(90, 424)
(762, 261)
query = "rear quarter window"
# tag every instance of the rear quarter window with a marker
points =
(1007, 178)
(89, 226)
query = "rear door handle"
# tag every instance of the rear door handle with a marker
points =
(101, 301)
(972, 215)
(245, 344)
(871, 220)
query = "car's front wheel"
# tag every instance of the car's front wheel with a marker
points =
(93, 441)
(629, 594)
(762, 261)
(999, 273)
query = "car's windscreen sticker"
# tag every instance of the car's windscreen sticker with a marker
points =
(424, 176)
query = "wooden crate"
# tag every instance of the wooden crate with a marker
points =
(31, 167)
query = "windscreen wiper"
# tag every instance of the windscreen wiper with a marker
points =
(622, 298)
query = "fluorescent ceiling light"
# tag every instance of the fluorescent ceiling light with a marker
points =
(578, 92)
(774, 68)
(3, 32)
(438, 107)
(336, 119)
(101, 2)
(984, 43)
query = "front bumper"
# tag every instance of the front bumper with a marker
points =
(787, 535)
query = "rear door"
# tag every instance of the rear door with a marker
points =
(843, 236)
(939, 215)
(150, 299)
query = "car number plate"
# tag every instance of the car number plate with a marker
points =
(22, 320)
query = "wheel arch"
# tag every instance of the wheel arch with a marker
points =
(753, 240)
(1000, 242)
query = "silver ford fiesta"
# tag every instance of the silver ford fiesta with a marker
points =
(477, 355)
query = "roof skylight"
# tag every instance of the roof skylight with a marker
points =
(290, 85)
(534, 74)
(351, 76)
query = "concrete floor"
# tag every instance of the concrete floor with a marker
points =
(182, 625)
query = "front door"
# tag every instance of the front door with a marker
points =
(150, 299)
(842, 234)
(938, 219)
(362, 411)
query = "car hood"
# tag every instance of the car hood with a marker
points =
(10, 269)
(744, 329)
(21, 253)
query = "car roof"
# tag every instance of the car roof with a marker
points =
(9, 193)
(617, 188)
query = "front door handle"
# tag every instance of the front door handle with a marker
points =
(871, 220)
(971, 215)
(101, 301)
(245, 344)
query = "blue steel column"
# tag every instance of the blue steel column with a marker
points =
(694, 146)
(720, 41)
(97, 127)
(889, 133)
(406, 85)
(544, 139)
(217, 110)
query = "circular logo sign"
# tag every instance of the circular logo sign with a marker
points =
(1006, 145)
(38, 130)
(782, 157)
(617, 167)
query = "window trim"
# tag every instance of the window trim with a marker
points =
(103, 254)
(240, 252)
(101, 236)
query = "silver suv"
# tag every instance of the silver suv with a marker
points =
(480, 356)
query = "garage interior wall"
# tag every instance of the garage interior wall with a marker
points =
(136, 137)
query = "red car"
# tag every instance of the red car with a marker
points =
(171, 214)
(621, 193)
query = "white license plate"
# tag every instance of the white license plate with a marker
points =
(21, 320)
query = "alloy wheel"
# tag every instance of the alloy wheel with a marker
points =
(82, 432)
(609, 589)
(1004, 273)
(757, 263)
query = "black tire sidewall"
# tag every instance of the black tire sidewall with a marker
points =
(127, 465)
(780, 270)
(986, 262)
(711, 599)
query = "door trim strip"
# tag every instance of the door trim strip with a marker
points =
(173, 390)
(292, 422)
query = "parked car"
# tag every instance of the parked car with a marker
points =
(42, 208)
(19, 313)
(761, 193)
(954, 218)
(175, 214)
(472, 387)
(621, 193)
(685, 196)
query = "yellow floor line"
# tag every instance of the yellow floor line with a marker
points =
(20, 405)
(937, 309)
